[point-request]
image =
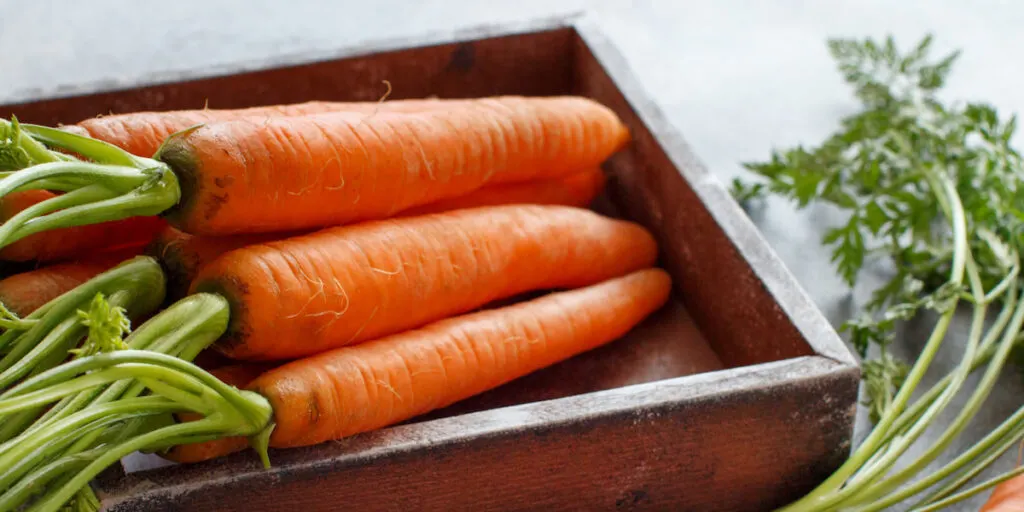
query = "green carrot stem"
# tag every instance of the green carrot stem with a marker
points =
(76, 197)
(19, 150)
(956, 498)
(864, 485)
(984, 355)
(24, 489)
(24, 356)
(963, 418)
(30, 354)
(148, 200)
(119, 179)
(215, 424)
(826, 493)
(973, 468)
(46, 443)
(122, 185)
(140, 276)
(93, 149)
(183, 329)
(127, 370)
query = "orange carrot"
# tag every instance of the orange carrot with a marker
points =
(289, 173)
(310, 293)
(365, 387)
(72, 242)
(141, 133)
(25, 292)
(577, 189)
(1006, 497)
(182, 254)
(238, 375)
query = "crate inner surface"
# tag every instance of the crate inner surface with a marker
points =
(721, 315)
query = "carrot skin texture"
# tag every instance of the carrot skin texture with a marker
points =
(25, 292)
(183, 254)
(291, 173)
(142, 133)
(238, 375)
(369, 386)
(1006, 497)
(578, 189)
(70, 243)
(339, 286)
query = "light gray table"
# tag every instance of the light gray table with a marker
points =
(736, 77)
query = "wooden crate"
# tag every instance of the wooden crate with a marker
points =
(736, 396)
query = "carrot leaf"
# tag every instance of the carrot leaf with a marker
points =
(107, 326)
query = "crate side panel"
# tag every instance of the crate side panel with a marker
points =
(529, 64)
(750, 449)
(729, 303)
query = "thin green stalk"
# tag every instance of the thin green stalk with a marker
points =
(23, 490)
(93, 149)
(142, 277)
(865, 486)
(127, 370)
(826, 494)
(53, 502)
(958, 424)
(76, 197)
(967, 474)
(957, 498)
(122, 185)
(19, 150)
(183, 329)
(47, 443)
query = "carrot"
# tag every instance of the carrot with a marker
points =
(72, 242)
(182, 254)
(306, 172)
(238, 375)
(310, 293)
(326, 397)
(364, 387)
(25, 292)
(577, 189)
(142, 133)
(303, 172)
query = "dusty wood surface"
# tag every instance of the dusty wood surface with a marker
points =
(742, 440)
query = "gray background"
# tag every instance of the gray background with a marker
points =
(736, 77)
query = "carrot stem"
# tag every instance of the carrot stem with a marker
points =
(994, 447)
(956, 498)
(138, 284)
(93, 149)
(55, 501)
(26, 454)
(18, 151)
(834, 489)
(24, 489)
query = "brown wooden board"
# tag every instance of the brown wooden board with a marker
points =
(738, 395)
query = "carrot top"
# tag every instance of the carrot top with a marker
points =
(301, 172)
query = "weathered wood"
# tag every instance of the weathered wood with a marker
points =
(736, 396)
(533, 63)
(717, 441)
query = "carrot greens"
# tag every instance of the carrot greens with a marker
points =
(933, 188)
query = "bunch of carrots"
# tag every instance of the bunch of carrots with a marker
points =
(298, 273)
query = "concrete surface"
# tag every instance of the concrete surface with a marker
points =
(737, 77)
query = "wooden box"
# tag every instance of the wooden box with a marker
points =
(737, 396)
